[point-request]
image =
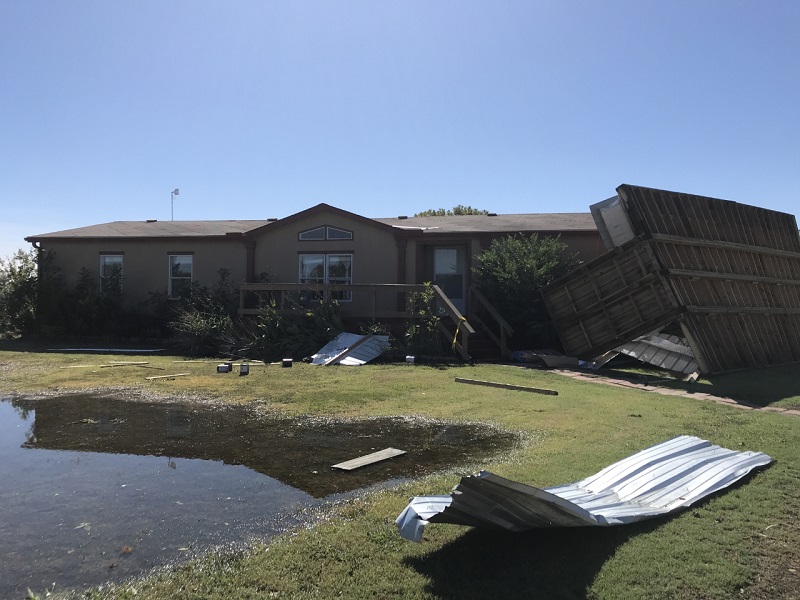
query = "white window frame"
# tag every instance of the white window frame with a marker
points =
(348, 235)
(341, 296)
(317, 234)
(172, 278)
(325, 233)
(103, 265)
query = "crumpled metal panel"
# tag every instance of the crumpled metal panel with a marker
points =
(364, 349)
(668, 352)
(656, 481)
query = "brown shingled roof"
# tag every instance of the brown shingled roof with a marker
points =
(452, 224)
(497, 224)
(154, 229)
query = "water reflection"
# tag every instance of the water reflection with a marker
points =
(97, 488)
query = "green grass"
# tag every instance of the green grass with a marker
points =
(744, 543)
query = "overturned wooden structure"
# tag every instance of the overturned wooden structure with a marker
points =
(723, 275)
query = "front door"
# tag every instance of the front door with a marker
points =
(449, 274)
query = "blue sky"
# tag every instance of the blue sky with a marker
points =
(260, 109)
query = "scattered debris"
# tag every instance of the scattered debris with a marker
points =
(664, 478)
(351, 349)
(166, 376)
(368, 459)
(220, 360)
(143, 364)
(507, 386)
(124, 364)
(668, 352)
(108, 350)
(546, 358)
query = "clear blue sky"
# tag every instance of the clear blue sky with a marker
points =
(258, 109)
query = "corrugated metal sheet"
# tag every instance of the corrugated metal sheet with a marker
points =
(351, 349)
(668, 352)
(661, 479)
(722, 265)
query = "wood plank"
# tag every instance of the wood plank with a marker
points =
(507, 386)
(730, 245)
(731, 276)
(368, 459)
(125, 364)
(166, 376)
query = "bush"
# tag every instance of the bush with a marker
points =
(422, 335)
(201, 330)
(204, 320)
(295, 330)
(512, 271)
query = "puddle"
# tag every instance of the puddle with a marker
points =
(97, 488)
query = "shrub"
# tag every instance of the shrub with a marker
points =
(204, 319)
(510, 274)
(422, 335)
(296, 330)
(18, 287)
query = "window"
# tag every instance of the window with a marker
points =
(328, 268)
(334, 233)
(180, 276)
(110, 274)
(312, 234)
(324, 233)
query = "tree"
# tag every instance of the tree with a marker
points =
(510, 274)
(18, 287)
(456, 211)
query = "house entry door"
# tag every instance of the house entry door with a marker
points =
(449, 274)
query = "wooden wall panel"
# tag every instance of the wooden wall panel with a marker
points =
(653, 211)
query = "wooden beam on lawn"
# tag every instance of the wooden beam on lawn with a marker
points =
(507, 386)
(368, 459)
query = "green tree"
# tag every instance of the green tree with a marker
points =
(510, 274)
(18, 287)
(456, 211)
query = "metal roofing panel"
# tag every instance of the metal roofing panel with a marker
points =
(364, 349)
(668, 352)
(658, 480)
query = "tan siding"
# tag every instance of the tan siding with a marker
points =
(374, 253)
(145, 266)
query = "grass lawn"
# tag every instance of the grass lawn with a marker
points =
(744, 543)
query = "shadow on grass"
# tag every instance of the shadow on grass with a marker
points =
(543, 563)
(752, 387)
(761, 387)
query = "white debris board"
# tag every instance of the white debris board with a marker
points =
(368, 459)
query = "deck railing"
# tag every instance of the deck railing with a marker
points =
(491, 322)
(253, 295)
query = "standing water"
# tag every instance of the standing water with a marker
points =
(97, 488)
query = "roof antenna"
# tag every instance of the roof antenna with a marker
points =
(174, 193)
